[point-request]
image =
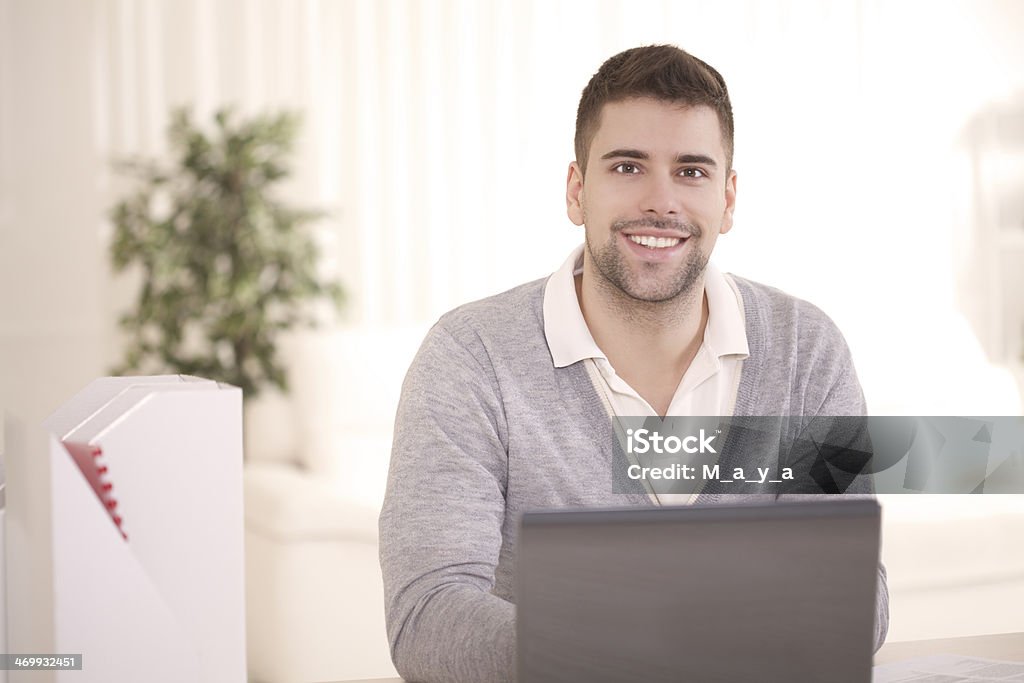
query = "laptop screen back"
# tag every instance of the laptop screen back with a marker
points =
(777, 592)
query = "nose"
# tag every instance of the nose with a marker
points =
(660, 197)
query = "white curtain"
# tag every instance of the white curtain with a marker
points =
(438, 133)
(420, 119)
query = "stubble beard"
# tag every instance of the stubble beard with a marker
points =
(648, 288)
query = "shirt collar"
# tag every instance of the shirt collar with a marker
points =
(569, 338)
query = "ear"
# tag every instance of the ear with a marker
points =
(574, 194)
(730, 203)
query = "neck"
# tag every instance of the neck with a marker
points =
(663, 335)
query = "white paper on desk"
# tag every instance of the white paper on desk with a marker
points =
(168, 603)
(948, 669)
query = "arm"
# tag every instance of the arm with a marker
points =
(440, 527)
(843, 397)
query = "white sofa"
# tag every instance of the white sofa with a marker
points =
(313, 586)
(315, 604)
(314, 481)
(955, 563)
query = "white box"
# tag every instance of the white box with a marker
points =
(165, 600)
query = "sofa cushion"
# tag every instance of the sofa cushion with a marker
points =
(287, 503)
(345, 384)
(934, 541)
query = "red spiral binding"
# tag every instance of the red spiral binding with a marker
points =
(90, 460)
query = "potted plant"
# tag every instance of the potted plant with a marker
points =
(226, 267)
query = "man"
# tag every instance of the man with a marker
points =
(507, 405)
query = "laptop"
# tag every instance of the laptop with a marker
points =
(776, 592)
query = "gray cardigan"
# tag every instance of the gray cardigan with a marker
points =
(488, 427)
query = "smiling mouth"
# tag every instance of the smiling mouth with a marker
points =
(655, 242)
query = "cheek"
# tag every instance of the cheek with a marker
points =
(712, 212)
(597, 207)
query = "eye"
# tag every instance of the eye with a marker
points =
(693, 173)
(626, 167)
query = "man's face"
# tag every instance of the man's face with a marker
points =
(655, 197)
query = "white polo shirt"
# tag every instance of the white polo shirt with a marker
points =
(709, 385)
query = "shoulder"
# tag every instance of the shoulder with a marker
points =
(502, 325)
(777, 306)
(472, 350)
(796, 347)
(511, 317)
(775, 315)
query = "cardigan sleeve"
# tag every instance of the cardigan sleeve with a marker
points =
(440, 525)
(837, 428)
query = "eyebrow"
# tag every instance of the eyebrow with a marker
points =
(637, 154)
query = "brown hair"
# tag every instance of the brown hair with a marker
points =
(661, 72)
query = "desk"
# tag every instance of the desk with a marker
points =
(1009, 646)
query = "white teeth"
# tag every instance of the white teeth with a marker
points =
(655, 242)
